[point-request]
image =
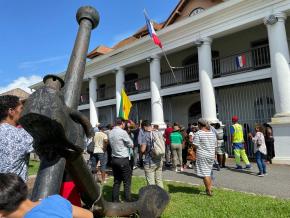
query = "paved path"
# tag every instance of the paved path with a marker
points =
(276, 183)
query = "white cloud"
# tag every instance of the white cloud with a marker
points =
(22, 83)
(34, 65)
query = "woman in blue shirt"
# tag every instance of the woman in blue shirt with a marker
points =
(14, 202)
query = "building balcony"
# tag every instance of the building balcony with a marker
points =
(250, 60)
(84, 99)
(237, 63)
(182, 75)
(137, 85)
(105, 93)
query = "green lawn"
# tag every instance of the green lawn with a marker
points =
(33, 167)
(191, 201)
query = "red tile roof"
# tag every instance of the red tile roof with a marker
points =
(175, 14)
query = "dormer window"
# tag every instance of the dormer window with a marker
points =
(196, 11)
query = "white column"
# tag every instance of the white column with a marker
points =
(207, 94)
(279, 54)
(156, 99)
(93, 98)
(120, 78)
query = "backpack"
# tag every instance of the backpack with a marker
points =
(91, 147)
(158, 144)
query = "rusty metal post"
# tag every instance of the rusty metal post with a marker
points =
(49, 176)
(88, 19)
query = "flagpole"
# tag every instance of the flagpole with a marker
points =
(171, 68)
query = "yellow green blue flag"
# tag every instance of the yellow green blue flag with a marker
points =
(125, 106)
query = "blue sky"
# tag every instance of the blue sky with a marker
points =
(37, 36)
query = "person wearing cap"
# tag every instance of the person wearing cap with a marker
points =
(205, 142)
(152, 164)
(237, 139)
(176, 140)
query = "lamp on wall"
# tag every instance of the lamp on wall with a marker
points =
(271, 19)
(149, 59)
(198, 42)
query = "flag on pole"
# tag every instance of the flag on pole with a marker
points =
(241, 61)
(125, 106)
(151, 31)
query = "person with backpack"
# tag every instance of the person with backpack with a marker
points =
(153, 147)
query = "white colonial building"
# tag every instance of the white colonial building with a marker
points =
(232, 58)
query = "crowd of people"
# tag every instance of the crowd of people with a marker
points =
(125, 147)
(201, 146)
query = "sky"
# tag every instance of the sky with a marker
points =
(37, 36)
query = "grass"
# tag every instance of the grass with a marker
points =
(33, 167)
(191, 201)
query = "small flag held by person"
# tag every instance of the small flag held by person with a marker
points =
(151, 31)
(241, 61)
(125, 106)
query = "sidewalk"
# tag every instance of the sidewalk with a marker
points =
(276, 183)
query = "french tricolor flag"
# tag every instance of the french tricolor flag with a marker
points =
(241, 61)
(151, 31)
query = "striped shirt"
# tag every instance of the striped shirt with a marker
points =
(205, 143)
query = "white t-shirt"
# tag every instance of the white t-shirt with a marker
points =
(99, 139)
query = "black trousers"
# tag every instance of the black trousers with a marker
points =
(122, 172)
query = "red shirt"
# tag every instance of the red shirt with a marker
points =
(167, 135)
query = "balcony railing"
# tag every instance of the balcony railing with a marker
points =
(137, 85)
(106, 93)
(183, 75)
(253, 59)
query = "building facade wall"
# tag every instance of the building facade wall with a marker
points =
(252, 102)
(108, 80)
(233, 33)
(107, 114)
(232, 43)
(192, 4)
